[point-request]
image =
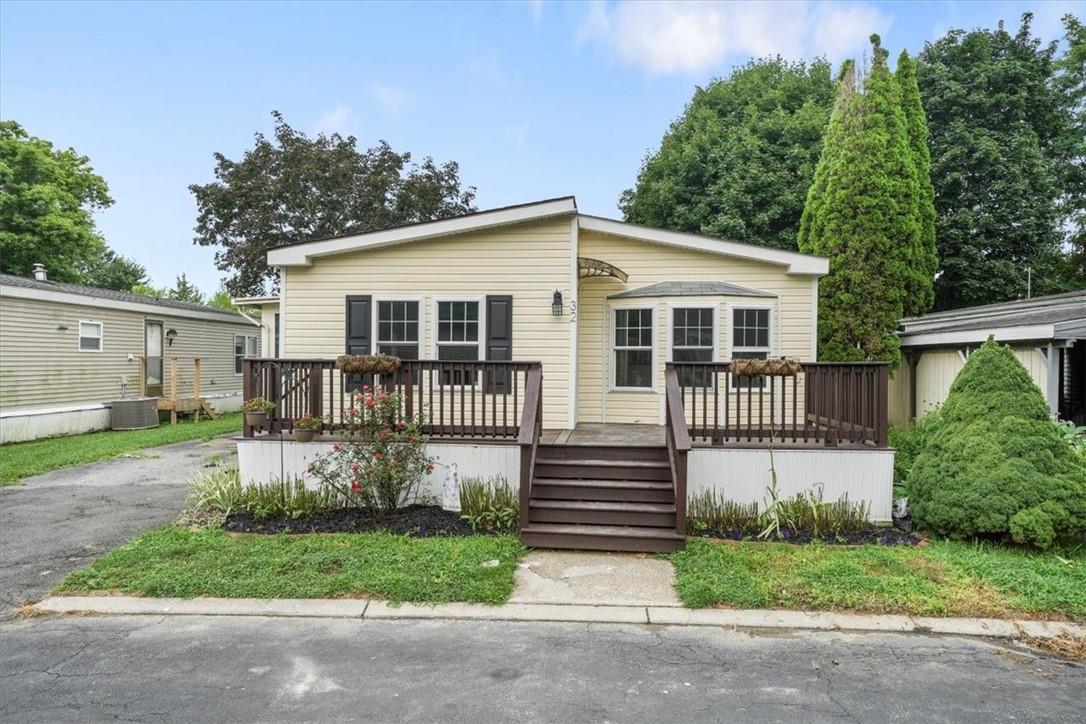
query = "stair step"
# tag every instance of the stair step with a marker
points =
(630, 491)
(609, 469)
(602, 452)
(659, 515)
(601, 537)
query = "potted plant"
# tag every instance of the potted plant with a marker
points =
(306, 427)
(256, 411)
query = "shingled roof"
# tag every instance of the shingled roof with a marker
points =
(691, 289)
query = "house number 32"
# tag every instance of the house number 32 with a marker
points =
(572, 311)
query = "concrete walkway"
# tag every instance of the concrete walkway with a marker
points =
(568, 613)
(54, 523)
(578, 577)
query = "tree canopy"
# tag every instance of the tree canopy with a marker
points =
(1070, 82)
(293, 188)
(862, 212)
(738, 162)
(47, 200)
(996, 119)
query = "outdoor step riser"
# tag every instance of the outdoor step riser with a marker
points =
(602, 517)
(621, 495)
(599, 543)
(583, 452)
(587, 471)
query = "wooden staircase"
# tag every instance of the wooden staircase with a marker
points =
(596, 497)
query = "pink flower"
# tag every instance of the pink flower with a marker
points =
(429, 467)
(336, 447)
(377, 456)
(355, 468)
(355, 486)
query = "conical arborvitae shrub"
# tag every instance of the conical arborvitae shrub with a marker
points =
(995, 465)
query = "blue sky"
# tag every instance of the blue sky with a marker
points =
(533, 99)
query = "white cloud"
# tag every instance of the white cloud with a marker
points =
(392, 100)
(337, 119)
(694, 37)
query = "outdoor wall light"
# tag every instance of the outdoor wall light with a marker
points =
(171, 335)
(556, 304)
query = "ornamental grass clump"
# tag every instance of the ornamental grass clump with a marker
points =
(381, 464)
(995, 464)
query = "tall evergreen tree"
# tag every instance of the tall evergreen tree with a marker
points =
(920, 291)
(861, 213)
(1071, 150)
(994, 117)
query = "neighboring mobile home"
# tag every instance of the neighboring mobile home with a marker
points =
(629, 331)
(67, 352)
(1047, 334)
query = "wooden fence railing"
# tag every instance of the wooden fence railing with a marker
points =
(826, 402)
(678, 444)
(455, 399)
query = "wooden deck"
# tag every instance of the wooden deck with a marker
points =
(629, 435)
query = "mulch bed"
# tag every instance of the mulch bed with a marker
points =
(416, 521)
(870, 536)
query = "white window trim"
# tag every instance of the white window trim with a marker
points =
(375, 317)
(434, 343)
(101, 335)
(730, 311)
(713, 308)
(245, 350)
(613, 372)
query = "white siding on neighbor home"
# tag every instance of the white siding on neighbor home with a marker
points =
(528, 261)
(936, 371)
(647, 263)
(41, 366)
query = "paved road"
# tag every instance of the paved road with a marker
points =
(52, 524)
(195, 669)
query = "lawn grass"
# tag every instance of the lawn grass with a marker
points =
(943, 579)
(174, 561)
(23, 459)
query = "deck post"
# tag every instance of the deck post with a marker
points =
(882, 394)
(246, 393)
(173, 390)
(196, 386)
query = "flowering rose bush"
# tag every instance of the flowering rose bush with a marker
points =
(383, 460)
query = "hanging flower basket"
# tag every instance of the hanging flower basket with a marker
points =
(775, 367)
(367, 364)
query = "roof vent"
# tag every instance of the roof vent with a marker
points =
(40, 274)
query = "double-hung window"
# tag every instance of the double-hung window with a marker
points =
(750, 340)
(633, 348)
(398, 329)
(458, 339)
(692, 341)
(245, 345)
(90, 336)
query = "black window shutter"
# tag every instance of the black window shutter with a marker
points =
(499, 339)
(359, 326)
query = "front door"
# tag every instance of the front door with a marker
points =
(152, 367)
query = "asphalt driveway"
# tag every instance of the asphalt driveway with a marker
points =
(54, 523)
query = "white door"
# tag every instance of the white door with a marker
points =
(153, 359)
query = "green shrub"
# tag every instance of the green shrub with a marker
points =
(218, 491)
(287, 498)
(908, 441)
(711, 510)
(994, 464)
(490, 506)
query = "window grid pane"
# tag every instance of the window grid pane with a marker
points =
(398, 322)
(633, 348)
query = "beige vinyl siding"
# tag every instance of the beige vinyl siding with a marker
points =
(937, 369)
(647, 263)
(41, 366)
(898, 399)
(527, 261)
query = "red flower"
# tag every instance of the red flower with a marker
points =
(354, 468)
(377, 456)
(429, 467)
(336, 447)
(355, 486)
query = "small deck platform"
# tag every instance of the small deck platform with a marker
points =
(639, 435)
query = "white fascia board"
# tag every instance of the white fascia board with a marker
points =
(50, 295)
(303, 254)
(796, 263)
(252, 301)
(1004, 334)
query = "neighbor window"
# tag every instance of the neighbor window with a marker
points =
(245, 345)
(90, 336)
(750, 340)
(692, 341)
(398, 329)
(633, 348)
(458, 338)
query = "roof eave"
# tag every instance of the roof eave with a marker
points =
(1036, 332)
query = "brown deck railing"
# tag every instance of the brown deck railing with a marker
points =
(826, 402)
(475, 400)
(531, 424)
(678, 444)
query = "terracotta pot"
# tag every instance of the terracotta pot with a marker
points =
(304, 435)
(256, 419)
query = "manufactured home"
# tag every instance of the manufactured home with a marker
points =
(1047, 335)
(69, 352)
(589, 359)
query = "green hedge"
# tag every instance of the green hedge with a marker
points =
(994, 463)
